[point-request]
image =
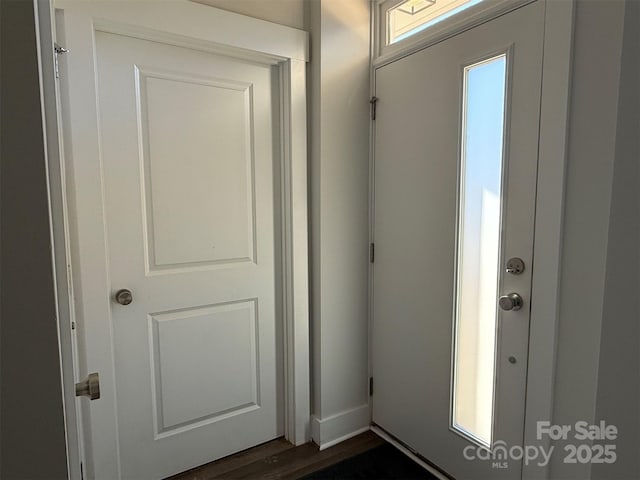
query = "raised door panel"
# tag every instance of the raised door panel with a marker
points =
(197, 151)
(205, 365)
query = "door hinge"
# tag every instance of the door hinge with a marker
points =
(370, 386)
(373, 102)
(58, 50)
(372, 252)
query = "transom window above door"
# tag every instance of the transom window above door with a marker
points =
(402, 27)
(412, 16)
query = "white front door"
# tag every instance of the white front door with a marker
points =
(456, 148)
(177, 186)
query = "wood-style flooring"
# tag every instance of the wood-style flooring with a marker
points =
(279, 459)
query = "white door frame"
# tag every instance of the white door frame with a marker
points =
(550, 198)
(212, 30)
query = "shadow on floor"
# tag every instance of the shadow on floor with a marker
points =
(382, 462)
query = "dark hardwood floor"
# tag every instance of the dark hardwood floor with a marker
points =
(279, 459)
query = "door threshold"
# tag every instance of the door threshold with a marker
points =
(413, 456)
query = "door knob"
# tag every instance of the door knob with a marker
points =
(510, 301)
(124, 296)
(89, 387)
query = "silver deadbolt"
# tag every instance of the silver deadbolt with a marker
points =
(124, 296)
(515, 266)
(511, 301)
(89, 387)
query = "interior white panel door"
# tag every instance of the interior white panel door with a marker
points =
(184, 156)
(425, 252)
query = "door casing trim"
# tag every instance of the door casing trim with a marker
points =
(549, 223)
(287, 50)
(550, 197)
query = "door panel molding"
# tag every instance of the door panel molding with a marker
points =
(210, 30)
(155, 249)
(161, 378)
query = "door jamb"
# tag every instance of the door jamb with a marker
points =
(549, 205)
(287, 48)
(49, 99)
(549, 221)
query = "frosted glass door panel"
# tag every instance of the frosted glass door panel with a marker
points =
(479, 213)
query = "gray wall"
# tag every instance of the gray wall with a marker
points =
(32, 443)
(618, 400)
(339, 185)
(597, 358)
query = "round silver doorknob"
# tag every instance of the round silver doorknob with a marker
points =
(124, 296)
(510, 301)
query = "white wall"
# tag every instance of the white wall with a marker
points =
(284, 12)
(595, 232)
(339, 179)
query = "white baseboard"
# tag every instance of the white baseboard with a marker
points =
(337, 428)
